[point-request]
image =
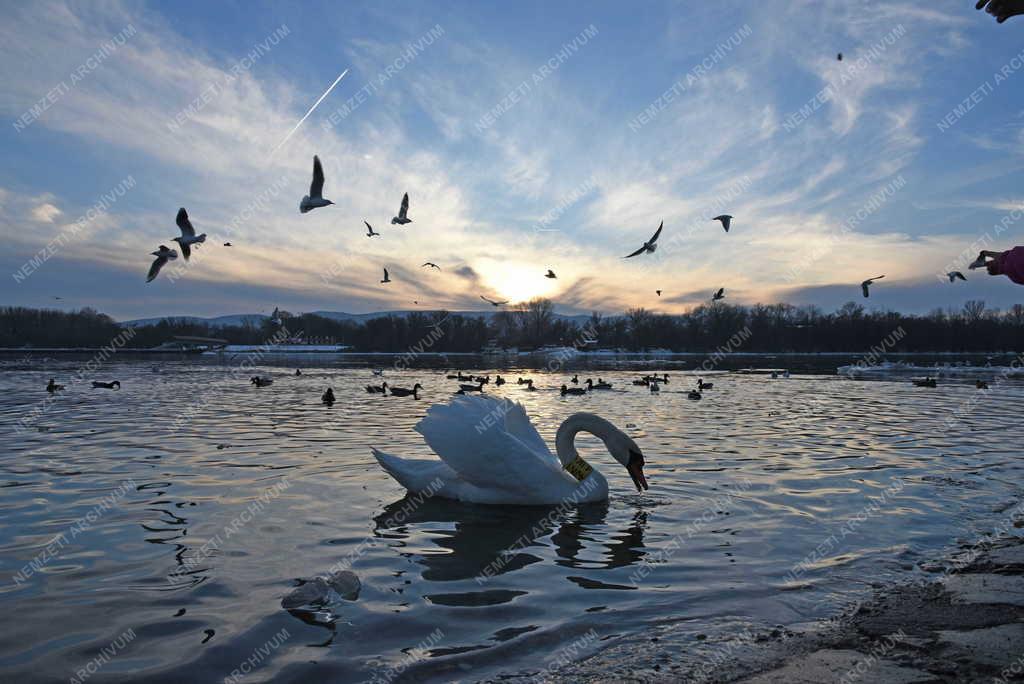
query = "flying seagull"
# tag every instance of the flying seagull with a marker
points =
(370, 232)
(840, 57)
(718, 295)
(403, 212)
(163, 255)
(227, 244)
(387, 279)
(953, 275)
(726, 221)
(315, 198)
(492, 302)
(867, 283)
(659, 292)
(650, 245)
(431, 264)
(550, 274)
(188, 234)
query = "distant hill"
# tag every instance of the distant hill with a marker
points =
(257, 319)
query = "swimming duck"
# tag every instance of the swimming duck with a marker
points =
(328, 396)
(575, 380)
(378, 371)
(529, 386)
(261, 382)
(572, 390)
(599, 385)
(116, 384)
(373, 389)
(981, 384)
(482, 380)
(520, 381)
(655, 387)
(298, 372)
(642, 381)
(52, 387)
(694, 394)
(927, 382)
(472, 388)
(499, 381)
(701, 385)
(403, 392)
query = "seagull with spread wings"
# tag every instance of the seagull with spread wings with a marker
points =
(492, 302)
(431, 264)
(403, 212)
(718, 295)
(867, 283)
(650, 245)
(163, 255)
(550, 274)
(370, 232)
(726, 221)
(387, 278)
(188, 234)
(315, 198)
(953, 275)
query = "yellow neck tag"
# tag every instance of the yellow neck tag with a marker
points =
(578, 468)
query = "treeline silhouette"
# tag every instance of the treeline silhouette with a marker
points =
(757, 328)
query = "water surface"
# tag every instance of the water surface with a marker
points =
(188, 504)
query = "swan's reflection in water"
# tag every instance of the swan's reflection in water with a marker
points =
(485, 542)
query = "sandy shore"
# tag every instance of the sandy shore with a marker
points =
(964, 625)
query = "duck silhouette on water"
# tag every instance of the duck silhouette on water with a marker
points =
(374, 389)
(403, 392)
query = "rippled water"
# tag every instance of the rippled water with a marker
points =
(185, 535)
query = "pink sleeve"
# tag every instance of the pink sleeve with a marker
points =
(1013, 264)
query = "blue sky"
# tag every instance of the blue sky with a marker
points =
(561, 156)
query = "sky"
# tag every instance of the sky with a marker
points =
(529, 136)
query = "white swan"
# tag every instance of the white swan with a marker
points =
(491, 454)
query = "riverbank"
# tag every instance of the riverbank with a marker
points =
(964, 625)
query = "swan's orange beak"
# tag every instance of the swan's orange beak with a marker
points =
(635, 468)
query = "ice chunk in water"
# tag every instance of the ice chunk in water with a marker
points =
(323, 591)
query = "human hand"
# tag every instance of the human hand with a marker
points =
(1001, 9)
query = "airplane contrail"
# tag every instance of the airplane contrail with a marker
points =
(326, 93)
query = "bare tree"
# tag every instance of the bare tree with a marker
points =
(539, 314)
(974, 310)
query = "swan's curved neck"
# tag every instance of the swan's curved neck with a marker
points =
(565, 438)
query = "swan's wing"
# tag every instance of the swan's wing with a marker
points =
(316, 188)
(518, 424)
(184, 224)
(471, 437)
